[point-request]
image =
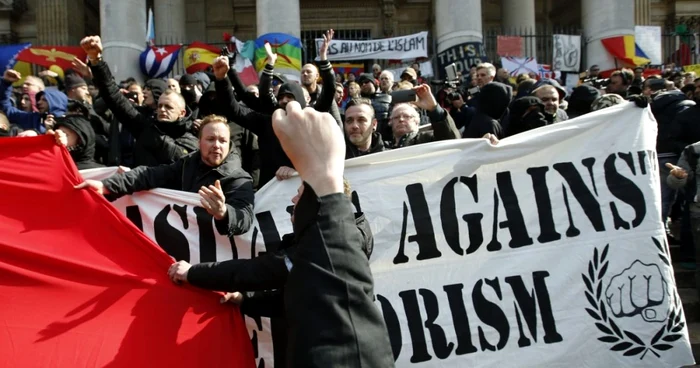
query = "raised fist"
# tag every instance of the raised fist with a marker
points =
(92, 46)
(271, 56)
(639, 290)
(12, 75)
(221, 67)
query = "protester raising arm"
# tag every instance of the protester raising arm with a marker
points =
(23, 119)
(326, 99)
(329, 291)
(122, 109)
(241, 115)
(268, 100)
(239, 88)
(443, 125)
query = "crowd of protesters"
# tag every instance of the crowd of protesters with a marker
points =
(209, 133)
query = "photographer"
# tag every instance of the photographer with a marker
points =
(459, 111)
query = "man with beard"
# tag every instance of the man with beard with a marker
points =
(225, 190)
(551, 97)
(361, 137)
(162, 140)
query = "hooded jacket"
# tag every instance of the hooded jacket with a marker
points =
(56, 100)
(492, 106)
(520, 121)
(665, 107)
(377, 145)
(581, 99)
(83, 153)
(157, 142)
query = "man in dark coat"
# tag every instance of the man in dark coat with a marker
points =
(260, 279)
(272, 156)
(361, 136)
(77, 135)
(162, 140)
(405, 119)
(329, 293)
(226, 191)
(490, 109)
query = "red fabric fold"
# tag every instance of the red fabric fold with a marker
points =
(80, 286)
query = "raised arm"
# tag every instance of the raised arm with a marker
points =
(268, 101)
(443, 125)
(241, 115)
(23, 119)
(326, 99)
(120, 106)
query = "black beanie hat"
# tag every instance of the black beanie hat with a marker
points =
(188, 80)
(294, 89)
(581, 99)
(367, 77)
(157, 87)
(73, 80)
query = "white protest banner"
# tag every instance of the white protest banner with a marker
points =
(398, 48)
(648, 38)
(546, 250)
(567, 53)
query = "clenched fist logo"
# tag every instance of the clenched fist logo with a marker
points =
(639, 290)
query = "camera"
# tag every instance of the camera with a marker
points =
(453, 96)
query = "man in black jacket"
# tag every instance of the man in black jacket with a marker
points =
(162, 140)
(226, 191)
(361, 136)
(329, 293)
(261, 278)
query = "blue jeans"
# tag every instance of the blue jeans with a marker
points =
(668, 194)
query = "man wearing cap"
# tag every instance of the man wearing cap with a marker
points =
(410, 75)
(162, 139)
(380, 102)
(77, 89)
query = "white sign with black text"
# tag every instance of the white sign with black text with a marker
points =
(546, 250)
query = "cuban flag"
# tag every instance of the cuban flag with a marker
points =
(158, 61)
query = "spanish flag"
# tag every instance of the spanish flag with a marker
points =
(287, 48)
(626, 50)
(199, 56)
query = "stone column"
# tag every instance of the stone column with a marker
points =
(602, 19)
(519, 19)
(281, 16)
(59, 22)
(123, 31)
(169, 19)
(456, 22)
(642, 12)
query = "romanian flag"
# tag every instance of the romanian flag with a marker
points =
(199, 56)
(287, 48)
(48, 56)
(626, 50)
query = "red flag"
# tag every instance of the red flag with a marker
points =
(46, 56)
(81, 286)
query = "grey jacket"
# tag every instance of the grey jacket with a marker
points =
(684, 162)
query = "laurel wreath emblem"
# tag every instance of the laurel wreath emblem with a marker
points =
(623, 340)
